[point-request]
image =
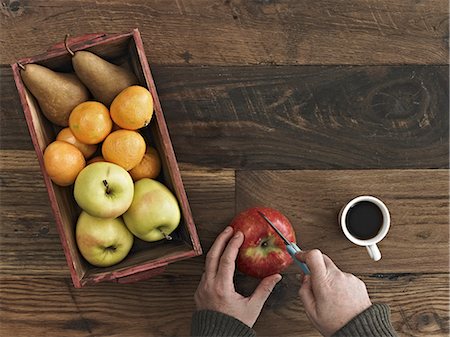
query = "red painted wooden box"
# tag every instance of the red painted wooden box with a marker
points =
(145, 259)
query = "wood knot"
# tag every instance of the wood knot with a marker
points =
(186, 56)
(12, 8)
(43, 230)
(423, 235)
(81, 324)
(428, 322)
(400, 104)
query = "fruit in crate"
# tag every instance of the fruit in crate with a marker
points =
(56, 93)
(63, 162)
(125, 148)
(149, 167)
(132, 109)
(104, 190)
(154, 212)
(90, 122)
(67, 136)
(102, 242)
(103, 79)
(263, 252)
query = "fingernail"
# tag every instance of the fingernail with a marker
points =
(227, 229)
(237, 235)
(278, 278)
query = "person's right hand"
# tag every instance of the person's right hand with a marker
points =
(331, 298)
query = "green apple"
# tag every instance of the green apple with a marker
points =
(102, 242)
(104, 190)
(154, 212)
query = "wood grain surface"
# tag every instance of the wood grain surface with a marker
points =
(240, 31)
(332, 117)
(296, 105)
(308, 117)
(163, 306)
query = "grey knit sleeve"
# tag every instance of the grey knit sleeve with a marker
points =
(373, 322)
(213, 323)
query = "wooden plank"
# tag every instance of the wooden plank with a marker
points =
(26, 216)
(211, 194)
(241, 32)
(419, 304)
(13, 127)
(418, 201)
(270, 117)
(308, 117)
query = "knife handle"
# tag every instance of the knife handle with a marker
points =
(292, 250)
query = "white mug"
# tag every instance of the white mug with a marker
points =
(370, 244)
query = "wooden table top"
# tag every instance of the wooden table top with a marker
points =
(297, 105)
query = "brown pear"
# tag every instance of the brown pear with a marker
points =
(103, 79)
(57, 93)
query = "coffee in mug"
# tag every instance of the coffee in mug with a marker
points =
(365, 221)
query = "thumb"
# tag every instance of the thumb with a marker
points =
(264, 289)
(306, 294)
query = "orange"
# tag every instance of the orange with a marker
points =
(149, 167)
(90, 122)
(125, 148)
(132, 108)
(63, 162)
(95, 160)
(67, 136)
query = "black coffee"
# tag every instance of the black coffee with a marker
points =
(364, 220)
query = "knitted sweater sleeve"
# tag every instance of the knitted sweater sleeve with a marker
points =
(373, 322)
(213, 323)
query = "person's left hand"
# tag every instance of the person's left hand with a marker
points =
(216, 289)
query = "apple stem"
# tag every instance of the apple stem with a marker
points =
(107, 187)
(168, 237)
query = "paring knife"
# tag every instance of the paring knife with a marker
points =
(291, 247)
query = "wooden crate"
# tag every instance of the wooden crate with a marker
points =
(145, 259)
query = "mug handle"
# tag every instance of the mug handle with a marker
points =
(374, 252)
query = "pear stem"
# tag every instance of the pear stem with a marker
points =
(67, 47)
(107, 187)
(168, 237)
(21, 66)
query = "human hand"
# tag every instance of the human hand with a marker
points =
(216, 289)
(331, 297)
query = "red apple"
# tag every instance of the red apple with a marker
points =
(263, 252)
